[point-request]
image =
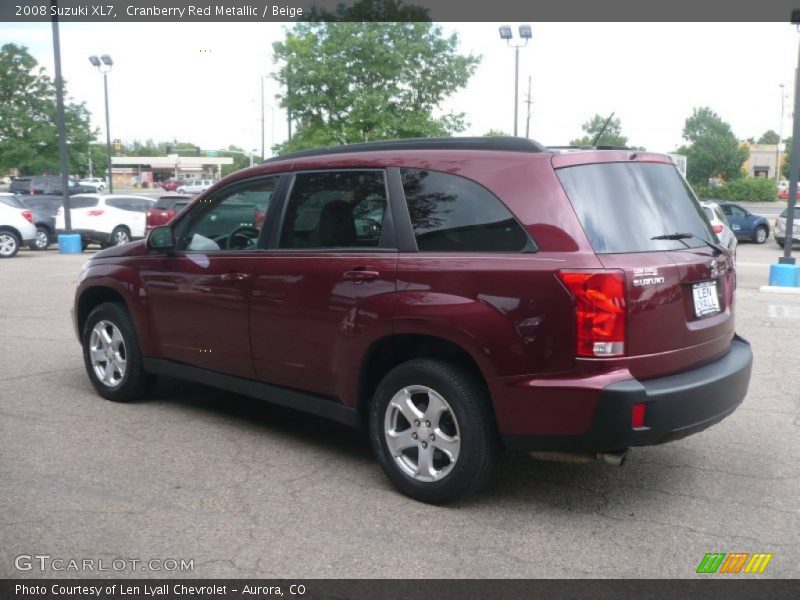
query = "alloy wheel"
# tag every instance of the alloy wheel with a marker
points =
(107, 353)
(42, 240)
(121, 237)
(8, 244)
(422, 434)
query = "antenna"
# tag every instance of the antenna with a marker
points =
(602, 129)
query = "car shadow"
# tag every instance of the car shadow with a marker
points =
(322, 433)
(519, 479)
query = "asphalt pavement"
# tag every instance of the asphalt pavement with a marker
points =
(242, 489)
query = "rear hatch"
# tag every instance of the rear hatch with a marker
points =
(678, 292)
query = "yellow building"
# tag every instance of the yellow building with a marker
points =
(763, 159)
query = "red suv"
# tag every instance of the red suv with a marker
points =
(454, 295)
(164, 209)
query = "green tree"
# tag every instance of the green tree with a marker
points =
(713, 149)
(240, 159)
(769, 137)
(496, 133)
(612, 136)
(370, 10)
(786, 157)
(28, 133)
(358, 82)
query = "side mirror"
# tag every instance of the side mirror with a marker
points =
(161, 239)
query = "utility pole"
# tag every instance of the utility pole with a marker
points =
(528, 101)
(262, 117)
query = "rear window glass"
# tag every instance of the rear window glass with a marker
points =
(622, 206)
(43, 203)
(13, 202)
(82, 202)
(164, 203)
(785, 213)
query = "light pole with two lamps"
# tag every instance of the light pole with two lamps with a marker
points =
(525, 34)
(104, 64)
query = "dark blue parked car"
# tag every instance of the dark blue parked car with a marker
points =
(746, 225)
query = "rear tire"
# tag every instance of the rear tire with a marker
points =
(447, 447)
(42, 241)
(120, 236)
(760, 235)
(112, 356)
(9, 244)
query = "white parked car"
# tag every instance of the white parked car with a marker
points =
(97, 183)
(719, 222)
(195, 186)
(108, 220)
(16, 229)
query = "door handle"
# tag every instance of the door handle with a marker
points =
(359, 275)
(234, 276)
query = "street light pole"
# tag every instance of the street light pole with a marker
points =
(780, 140)
(61, 119)
(794, 166)
(104, 64)
(525, 34)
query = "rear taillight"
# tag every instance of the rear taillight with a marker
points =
(599, 311)
(94, 213)
(28, 216)
(717, 228)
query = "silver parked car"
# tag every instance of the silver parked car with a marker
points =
(780, 227)
(719, 222)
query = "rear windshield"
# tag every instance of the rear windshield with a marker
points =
(622, 206)
(13, 202)
(164, 203)
(795, 213)
(82, 202)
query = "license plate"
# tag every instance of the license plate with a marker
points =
(706, 301)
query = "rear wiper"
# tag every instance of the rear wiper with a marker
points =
(685, 236)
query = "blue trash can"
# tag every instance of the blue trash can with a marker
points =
(70, 243)
(784, 275)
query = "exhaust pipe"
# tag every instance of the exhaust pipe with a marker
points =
(616, 458)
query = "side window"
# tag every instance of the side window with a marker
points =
(231, 221)
(736, 211)
(450, 213)
(121, 203)
(336, 209)
(727, 209)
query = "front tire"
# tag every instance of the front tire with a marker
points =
(112, 356)
(760, 235)
(433, 431)
(9, 244)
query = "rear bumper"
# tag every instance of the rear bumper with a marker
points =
(675, 406)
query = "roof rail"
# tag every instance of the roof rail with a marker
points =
(504, 143)
(566, 148)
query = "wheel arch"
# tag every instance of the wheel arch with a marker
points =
(389, 351)
(93, 297)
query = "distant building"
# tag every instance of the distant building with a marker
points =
(763, 160)
(130, 170)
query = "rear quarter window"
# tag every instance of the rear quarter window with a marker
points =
(450, 213)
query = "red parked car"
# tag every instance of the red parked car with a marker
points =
(784, 194)
(170, 185)
(453, 295)
(164, 209)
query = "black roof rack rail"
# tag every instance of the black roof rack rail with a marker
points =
(507, 143)
(591, 148)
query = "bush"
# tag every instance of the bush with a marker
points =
(754, 190)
